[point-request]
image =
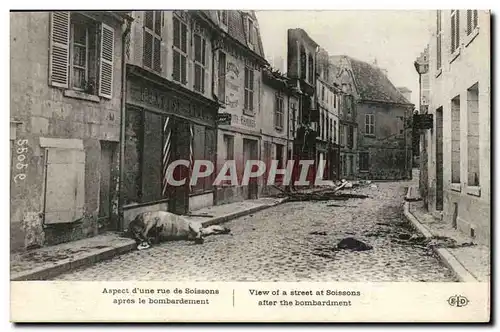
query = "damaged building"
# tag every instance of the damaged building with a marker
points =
(378, 123)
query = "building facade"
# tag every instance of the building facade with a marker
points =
(377, 123)
(301, 64)
(328, 104)
(278, 124)
(170, 112)
(458, 146)
(238, 63)
(66, 93)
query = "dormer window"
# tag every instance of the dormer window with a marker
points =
(250, 32)
(223, 18)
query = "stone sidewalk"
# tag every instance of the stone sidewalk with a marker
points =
(48, 262)
(470, 263)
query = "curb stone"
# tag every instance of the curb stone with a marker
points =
(66, 265)
(45, 273)
(444, 254)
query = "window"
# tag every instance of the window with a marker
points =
(249, 80)
(199, 63)
(322, 128)
(280, 153)
(348, 105)
(223, 18)
(229, 147)
(455, 30)
(364, 159)
(77, 60)
(323, 93)
(350, 137)
(473, 136)
(294, 117)
(222, 77)
(152, 40)
(180, 51)
(455, 140)
(335, 100)
(250, 32)
(303, 62)
(334, 131)
(439, 37)
(471, 20)
(342, 135)
(369, 124)
(310, 68)
(80, 50)
(278, 114)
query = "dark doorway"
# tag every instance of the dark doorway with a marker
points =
(250, 152)
(107, 188)
(181, 150)
(439, 159)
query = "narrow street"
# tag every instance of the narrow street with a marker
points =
(277, 245)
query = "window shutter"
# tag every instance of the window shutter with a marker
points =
(65, 185)
(208, 67)
(106, 64)
(59, 49)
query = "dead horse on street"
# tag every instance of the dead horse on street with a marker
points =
(167, 226)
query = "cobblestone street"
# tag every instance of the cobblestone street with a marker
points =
(277, 245)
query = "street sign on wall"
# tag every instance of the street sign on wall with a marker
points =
(224, 119)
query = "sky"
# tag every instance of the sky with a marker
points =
(394, 38)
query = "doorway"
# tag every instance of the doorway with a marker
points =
(107, 186)
(250, 152)
(439, 159)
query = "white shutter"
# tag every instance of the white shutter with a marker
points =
(106, 64)
(59, 49)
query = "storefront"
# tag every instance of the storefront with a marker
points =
(164, 123)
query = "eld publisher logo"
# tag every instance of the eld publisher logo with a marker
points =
(458, 301)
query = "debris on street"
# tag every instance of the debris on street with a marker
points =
(323, 196)
(353, 244)
(317, 233)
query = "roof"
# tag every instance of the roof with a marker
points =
(236, 27)
(371, 83)
(403, 89)
(303, 34)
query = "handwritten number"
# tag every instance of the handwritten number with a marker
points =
(21, 166)
(19, 177)
(22, 142)
(22, 150)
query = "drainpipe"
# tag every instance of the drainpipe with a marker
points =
(287, 187)
(123, 102)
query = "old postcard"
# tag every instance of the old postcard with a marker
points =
(250, 166)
